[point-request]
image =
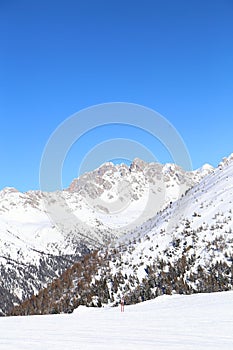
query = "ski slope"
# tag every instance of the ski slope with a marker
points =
(200, 321)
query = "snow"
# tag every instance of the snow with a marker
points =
(207, 207)
(200, 321)
(27, 216)
(29, 232)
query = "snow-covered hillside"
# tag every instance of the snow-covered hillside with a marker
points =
(41, 234)
(200, 321)
(186, 248)
(200, 223)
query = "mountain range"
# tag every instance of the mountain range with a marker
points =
(129, 227)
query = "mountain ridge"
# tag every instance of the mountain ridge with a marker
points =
(42, 234)
(186, 248)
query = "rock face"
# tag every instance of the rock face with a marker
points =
(41, 234)
(131, 195)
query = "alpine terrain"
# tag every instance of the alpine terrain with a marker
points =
(185, 248)
(42, 234)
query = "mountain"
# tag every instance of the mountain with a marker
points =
(123, 197)
(42, 234)
(186, 248)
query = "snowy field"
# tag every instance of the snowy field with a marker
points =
(203, 321)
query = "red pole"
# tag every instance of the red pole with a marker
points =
(122, 304)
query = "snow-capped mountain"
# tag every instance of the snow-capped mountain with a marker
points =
(123, 197)
(186, 248)
(41, 234)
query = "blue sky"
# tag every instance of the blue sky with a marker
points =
(58, 57)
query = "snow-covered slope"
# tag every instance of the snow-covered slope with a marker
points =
(41, 233)
(190, 243)
(187, 248)
(201, 321)
(193, 222)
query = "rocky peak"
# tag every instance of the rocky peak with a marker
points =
(138, 165)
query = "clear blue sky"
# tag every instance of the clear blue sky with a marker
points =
(58, 57)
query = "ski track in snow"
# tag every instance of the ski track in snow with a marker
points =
(201, 321)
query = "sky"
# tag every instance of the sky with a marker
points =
(60, 57)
